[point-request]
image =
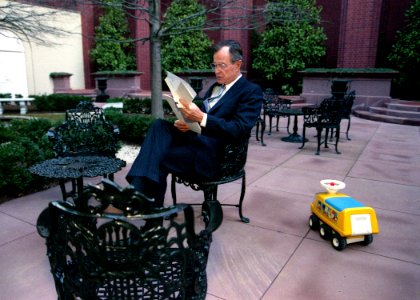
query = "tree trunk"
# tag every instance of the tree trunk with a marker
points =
(155, 56)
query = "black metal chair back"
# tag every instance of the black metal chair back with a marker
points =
(84, 132)
(102, 249)
(327, 116)
(272, 107)
(347, 102)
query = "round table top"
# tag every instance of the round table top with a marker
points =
(292, 111)
(77, 166)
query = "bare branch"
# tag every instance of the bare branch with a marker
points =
(30, 24)
(216, 13)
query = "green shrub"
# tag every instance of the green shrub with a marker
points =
(405, 56)
(137, 106)
(113, 51)
(183, 49)
(22, 144)
(292, 41)
(115, 100)
(5, 95)
(14, 175)
(133, 127)
(15, 159)
(144, 106)
(6, 134)
(33, 129)
(58, 102)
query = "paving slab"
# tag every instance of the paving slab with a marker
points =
(275, 256)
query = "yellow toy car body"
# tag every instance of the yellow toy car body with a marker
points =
(343, 219)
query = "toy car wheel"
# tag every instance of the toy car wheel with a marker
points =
(368, 239)
(324, 231)
(313, 222)
(338, 242)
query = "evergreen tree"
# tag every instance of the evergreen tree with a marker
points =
(113, 51)
(405, 55)
(185, 49)
(292, 41)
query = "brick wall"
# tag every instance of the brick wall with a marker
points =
(355, 29)
(359, 33)
(88, 30)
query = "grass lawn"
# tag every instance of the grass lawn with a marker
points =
(46, 115)
(50, 116)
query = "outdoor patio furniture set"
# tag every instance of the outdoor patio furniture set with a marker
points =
(327, 115)
(106, 242)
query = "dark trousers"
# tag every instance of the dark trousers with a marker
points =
(167, 150)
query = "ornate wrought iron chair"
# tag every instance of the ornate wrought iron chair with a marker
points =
(327, 116)
(101, 249)
(84, 132)
(348, 100)
(232, 168)
(273, 107)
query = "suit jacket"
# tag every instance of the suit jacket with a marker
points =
(235, 114)
(231, 118)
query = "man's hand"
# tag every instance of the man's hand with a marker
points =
(181, 126)
(191, 111)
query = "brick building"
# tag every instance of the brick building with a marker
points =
(360, 33)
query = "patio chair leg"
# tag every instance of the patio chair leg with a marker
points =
(271, 124)
(347, 132)
(303, 137)
(242, 217)
(336, 141)
(319, 133)
(262, 133)
(327, 130)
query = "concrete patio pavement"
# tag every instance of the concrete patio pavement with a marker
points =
(276, 255)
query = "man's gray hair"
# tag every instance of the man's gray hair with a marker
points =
(235, 49)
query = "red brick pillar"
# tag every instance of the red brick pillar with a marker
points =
(359, 30)
(87, 12)
(242, 36)
(143, 51)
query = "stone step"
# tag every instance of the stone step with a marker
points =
(385, 118)
(403, 106)
(395, 112)
(407, 102)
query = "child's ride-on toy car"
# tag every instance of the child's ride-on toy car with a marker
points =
(341, 218)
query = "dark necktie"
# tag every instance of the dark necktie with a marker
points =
(216, 97)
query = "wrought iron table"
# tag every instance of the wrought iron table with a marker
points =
(77, 167)
(294, 137)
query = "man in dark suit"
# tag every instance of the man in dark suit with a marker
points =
(229, 112)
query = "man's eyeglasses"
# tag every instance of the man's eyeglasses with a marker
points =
(214, 66)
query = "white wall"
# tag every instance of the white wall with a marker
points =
(12, 65)
(66, 55)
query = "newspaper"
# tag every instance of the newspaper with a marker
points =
(180, 89)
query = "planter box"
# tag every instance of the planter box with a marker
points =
(200, 80)
(119, 84)
(61, 81)
(372, 86)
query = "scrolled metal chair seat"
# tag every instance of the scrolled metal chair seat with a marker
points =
(116, 245)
